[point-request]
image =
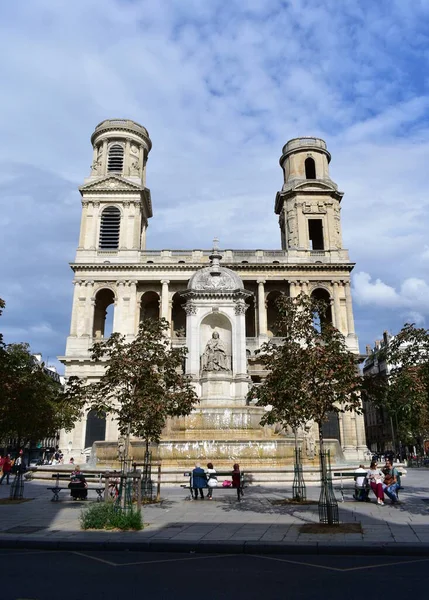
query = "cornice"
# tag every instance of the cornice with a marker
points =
(168, 267)
(102, 185)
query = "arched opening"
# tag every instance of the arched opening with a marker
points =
(326, 318)
(219, 324)
(178, 316)
(149, 306)
(109, 228)
(95, 428)
(272, 313)
(103, 314)
(115, 161)
(310, 168)
(250, 317)
(331, 427)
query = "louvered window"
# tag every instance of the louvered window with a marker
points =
(109, 230)
(116, 158)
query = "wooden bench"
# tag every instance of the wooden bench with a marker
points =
(56, 489)
(219, 474)
(349, 474)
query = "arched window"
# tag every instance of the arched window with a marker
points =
(321, 320)
(109, 228)
(95, 428)
(115, 161)
(103, 313)
(310, 168)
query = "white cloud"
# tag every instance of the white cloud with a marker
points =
(221, 87)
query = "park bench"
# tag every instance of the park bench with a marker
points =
(59, 477)
(351, 486)
(219, 487)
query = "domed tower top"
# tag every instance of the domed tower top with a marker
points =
(121, 147)
(305, 158)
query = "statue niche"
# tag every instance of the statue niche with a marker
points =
(214, 357)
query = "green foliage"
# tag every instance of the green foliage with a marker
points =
(107, 515)
(403, 391)
(33, 405)
(143, 382)
(311, 373)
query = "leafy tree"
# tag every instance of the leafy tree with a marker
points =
(143, 382)
(33, 405)
(311, 372)
(403, 390)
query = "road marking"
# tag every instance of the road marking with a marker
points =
(106, 562)
(295, 562)
(344, 569)
(151, 562)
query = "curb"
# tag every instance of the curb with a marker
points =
(224, 547)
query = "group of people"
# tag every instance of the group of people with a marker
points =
(207, 478)
(382, 482)
(10, 465)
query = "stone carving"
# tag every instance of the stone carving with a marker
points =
(221, 281)
(190, 309)
(135, 168)
(240, 308)
(215, 357)
(310, 444)
(96, 166)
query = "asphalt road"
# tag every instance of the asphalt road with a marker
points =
(40, 575)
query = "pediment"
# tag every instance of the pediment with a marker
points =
(111, 183)
(315, 185)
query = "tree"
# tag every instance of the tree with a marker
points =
(33, 405)
(311, 372)
(403, 390)
(143, 382)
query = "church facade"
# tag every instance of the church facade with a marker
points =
(221, 304)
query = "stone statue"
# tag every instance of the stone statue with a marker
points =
(310, 444)
(215, 357)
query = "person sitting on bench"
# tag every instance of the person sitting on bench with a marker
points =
(392, 481)
(199, 481)
(361, 485)
(78, 485)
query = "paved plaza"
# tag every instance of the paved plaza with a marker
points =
(222, 525)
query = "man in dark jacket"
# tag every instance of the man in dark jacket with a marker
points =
(199, 481)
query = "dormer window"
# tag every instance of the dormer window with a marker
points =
(115, 161)
(310, 168)
(109, 228)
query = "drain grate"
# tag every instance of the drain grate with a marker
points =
(24, 529)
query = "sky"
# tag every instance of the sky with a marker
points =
(221, 86)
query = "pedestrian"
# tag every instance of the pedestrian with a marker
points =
(375, 478)
(71, 461)
(7, 468)
(236, 476)
(199, 481)
(78, 486)
(211, 480)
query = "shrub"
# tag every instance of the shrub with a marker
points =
(107, 515)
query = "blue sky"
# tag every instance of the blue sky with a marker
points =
(221, 86)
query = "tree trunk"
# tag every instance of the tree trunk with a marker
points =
(324, 476)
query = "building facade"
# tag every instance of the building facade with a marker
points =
(226, 295)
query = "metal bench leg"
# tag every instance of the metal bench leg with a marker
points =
(56, 497)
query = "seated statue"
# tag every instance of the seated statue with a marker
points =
(215, 357)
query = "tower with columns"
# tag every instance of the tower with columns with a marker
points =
(115, 273)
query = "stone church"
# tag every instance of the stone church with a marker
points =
(221, 304)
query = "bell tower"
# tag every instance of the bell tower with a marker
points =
(116, 203)
(309, 203)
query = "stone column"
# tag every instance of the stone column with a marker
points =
(262, 309)
(293, 289)
(349, 307)
(337, 306)
(75, 308)
(104, 159)
(349, 441)
(165, 300)
(360, 435)
(83, 222)
(127, 158)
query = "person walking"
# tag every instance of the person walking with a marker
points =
(199, 481)
(236, 476)
(211, 480)
(7, 468)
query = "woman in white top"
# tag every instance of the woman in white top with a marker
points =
(376, 478)
(211, 479)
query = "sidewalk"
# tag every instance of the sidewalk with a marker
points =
(223, 525)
